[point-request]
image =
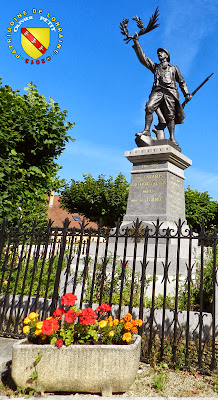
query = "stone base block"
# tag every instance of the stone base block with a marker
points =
(157, 185)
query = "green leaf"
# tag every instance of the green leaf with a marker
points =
(53, 341)
(33, 134)
(34, 375)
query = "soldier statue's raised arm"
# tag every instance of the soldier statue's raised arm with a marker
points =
(164, 97)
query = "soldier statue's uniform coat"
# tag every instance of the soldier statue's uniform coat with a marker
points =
(164, 94)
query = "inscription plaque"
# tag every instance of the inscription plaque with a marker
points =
(157, 185)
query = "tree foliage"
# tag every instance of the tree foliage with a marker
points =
(97, 198)
(33, 133)
(200, 206)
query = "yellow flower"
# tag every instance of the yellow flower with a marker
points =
(102, 323)
(122, 320)
(39, 325)
(47, 319)
(111, 333)
(26, 329)
(128, 317)
(32, 316)
(26, 320)
(127, 337)
(116, 322)
(110, 323)
(38, 332)
(110, 318)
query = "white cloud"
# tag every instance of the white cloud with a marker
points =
(85, 157)
(187, 24)
(94, 151)
(202, 181)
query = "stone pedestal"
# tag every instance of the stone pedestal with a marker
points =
(157, 185)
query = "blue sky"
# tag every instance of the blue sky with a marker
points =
(99, 80)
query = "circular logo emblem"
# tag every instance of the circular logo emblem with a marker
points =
(35, 36)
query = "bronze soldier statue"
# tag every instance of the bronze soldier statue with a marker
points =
(164, 97)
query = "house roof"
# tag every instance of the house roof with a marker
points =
(58, 215)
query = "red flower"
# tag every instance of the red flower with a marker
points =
(58, 313)
(88, 316)
(68, 299)
(71, 315)
(103, 308)
(49, 326)
(59, 343)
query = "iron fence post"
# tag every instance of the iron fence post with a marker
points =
(215, 302)
(59, 267)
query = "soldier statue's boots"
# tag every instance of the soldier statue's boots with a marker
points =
(174, 141)
(145, 132)
(148, 122)
(159, 127)
(171, 128)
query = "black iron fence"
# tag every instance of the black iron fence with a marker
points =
(167, 277)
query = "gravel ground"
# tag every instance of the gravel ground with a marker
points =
(174, 383)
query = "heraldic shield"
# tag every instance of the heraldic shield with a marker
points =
(35, 41)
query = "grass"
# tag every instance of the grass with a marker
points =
(159, 379)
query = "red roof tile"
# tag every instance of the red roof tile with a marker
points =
(58, 215)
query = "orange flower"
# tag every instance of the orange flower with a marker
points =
(134, 329)
(128, 326)
(110, 318)
(127, 337)
(128, 317)
(116, 322)
(137, 322)
(122, 320)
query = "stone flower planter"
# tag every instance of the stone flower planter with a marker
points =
(77, 368)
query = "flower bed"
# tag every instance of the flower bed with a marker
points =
(107, 362)
(102, 369)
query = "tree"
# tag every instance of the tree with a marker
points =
(97, 198)
(33, 133)
(198, 206)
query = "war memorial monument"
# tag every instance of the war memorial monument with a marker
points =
(157, 182)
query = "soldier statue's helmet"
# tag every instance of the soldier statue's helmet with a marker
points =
(165, 51)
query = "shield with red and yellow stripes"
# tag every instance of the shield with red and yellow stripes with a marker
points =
(35, 41)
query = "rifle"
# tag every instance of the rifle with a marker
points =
(195, 91)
